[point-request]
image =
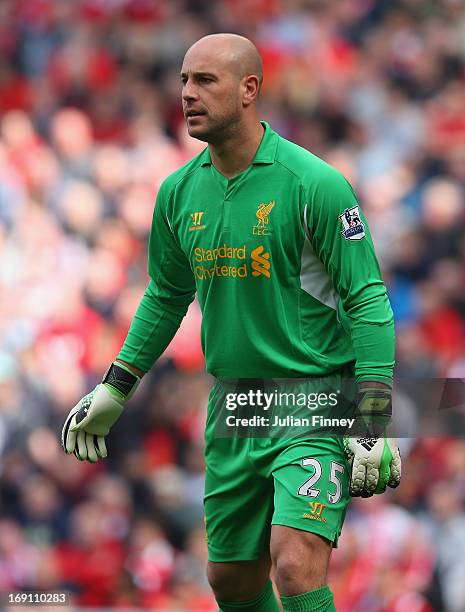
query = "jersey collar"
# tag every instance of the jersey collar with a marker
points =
(266, 152)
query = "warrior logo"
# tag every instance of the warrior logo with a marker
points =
(316, 512)
(196, 221)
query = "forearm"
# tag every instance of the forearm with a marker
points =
(132, 368)
(374, 347)
(152, 329)
(373, 384)
(371, 325)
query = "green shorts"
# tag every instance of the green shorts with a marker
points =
(254, 482)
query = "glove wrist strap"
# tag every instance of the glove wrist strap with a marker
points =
(375, 402)
(121, 379)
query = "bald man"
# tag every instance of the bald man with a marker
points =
(289, 289)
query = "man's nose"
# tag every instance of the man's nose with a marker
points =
(189, 91)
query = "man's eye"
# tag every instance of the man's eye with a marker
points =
(205, 80)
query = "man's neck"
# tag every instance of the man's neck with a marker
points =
(235, 154)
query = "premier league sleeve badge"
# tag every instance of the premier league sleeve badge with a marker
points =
(352, 224)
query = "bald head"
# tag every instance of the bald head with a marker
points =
(221, 76)
(233, 52)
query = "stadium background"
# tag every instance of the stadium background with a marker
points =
(90, 124)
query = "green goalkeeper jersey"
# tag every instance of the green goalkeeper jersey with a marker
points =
(283, 265)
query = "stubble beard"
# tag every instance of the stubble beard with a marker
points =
(218, 130)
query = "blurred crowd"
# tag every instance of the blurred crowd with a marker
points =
(90, 124)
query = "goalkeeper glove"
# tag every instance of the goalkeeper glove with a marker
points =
(90, 420)
(374, 458)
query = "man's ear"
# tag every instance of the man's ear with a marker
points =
(250, 89)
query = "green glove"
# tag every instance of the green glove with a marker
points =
(90, 420)
(374, 458)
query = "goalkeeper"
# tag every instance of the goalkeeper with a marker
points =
(273, 241)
